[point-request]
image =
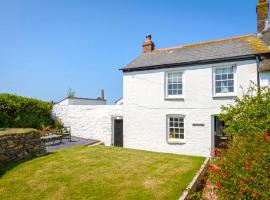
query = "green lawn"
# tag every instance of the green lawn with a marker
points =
(99, 173)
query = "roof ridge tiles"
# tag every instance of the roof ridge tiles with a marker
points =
(206, 42)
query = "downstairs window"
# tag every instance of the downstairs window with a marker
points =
(176, 128)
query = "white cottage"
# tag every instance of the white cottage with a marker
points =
(171, 96)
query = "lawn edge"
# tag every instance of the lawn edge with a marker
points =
(199, 174)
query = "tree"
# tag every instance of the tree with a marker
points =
(70, 93)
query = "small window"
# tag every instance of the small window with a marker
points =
(176, 129)
(174, 84)
(224, 80)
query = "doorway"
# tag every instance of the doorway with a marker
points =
(118, 132)
(218, 131)
(220, 139)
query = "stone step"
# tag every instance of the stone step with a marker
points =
(97, 143)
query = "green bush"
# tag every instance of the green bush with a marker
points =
(22, 112)
(243, 170)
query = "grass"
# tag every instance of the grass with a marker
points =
(99, 173)
(14, 131)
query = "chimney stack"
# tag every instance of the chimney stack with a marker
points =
(262, 15)
(148, 45)
(102, 94)
(101, 97)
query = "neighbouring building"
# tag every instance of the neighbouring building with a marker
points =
(83, 101)
(171, 96)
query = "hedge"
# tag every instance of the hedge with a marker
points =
(22, 112)
(243, 170)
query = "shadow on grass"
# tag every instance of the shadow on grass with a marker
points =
(4, 168)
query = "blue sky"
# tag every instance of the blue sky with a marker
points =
(48, 46)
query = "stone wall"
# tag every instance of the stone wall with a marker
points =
(91, 122)
(146, 107)
(18, 144)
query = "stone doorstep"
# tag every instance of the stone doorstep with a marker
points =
(98, 143)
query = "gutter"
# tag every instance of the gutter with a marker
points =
(192, 63)
(258, 73)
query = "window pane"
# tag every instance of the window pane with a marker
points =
(224, 83)
(230, 83)
(230, 70)
(218, 71)
(218, 77)
(218, 90)
(218, 83)
(231, 89)
(224, 70)
(224, 77)
(182, 136)
(230, 76)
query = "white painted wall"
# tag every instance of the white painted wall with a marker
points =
(63, 102)
(145, 107)
(92, 122)
(81, 101)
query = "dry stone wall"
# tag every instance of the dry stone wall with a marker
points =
(18, 144)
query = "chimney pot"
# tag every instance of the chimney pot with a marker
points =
(148, 45)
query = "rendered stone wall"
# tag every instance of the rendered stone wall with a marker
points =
(145, 107)
(18, 144)
(90, 122)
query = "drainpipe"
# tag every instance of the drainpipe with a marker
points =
(258, 74)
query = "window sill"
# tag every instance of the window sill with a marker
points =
(176, 142)
(229, 95)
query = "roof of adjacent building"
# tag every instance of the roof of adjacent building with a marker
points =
(79, 98)
(204, 52)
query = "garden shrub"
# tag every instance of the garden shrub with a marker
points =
(22, 112)
(243, 170)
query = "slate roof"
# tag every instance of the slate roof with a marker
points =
(236, 47)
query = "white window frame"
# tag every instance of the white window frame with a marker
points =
(167, 96)
(175, 140)
(227, 94)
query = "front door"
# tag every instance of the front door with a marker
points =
(118, 132)
(219, 133)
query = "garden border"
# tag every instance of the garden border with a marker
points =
(197, 177)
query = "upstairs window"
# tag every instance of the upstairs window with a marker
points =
(176, 129)
(174, 84)
(224, 79)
